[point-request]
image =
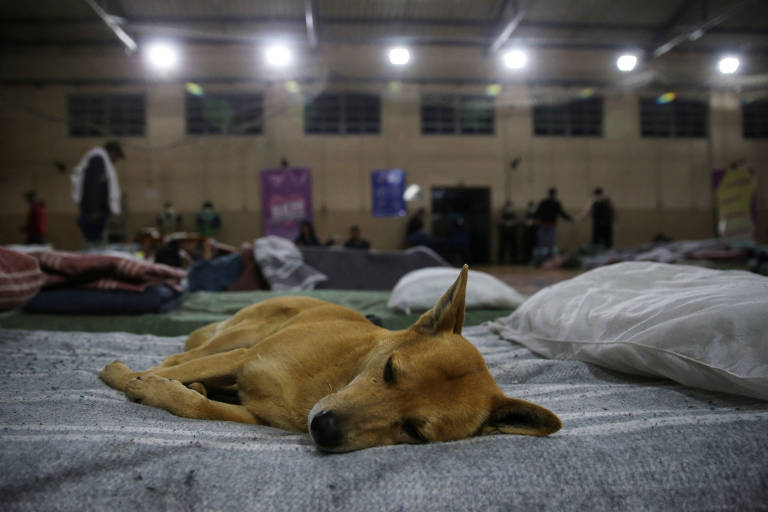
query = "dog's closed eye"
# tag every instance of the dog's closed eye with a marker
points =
(389, 373)
(412, 431)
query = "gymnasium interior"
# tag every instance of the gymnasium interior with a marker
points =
(601, 166)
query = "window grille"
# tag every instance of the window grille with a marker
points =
(577, 118)
(343, 113)
(101, 115)
(754, 119)
(225, 114)
(448, 114)
(676, 119)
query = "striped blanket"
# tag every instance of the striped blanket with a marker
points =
(71, 443)
(20, 278)
(105, 272)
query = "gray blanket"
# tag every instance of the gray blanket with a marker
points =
(353, 269)
(71, 443)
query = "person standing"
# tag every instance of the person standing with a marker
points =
(601, 209)
(96, 190)
(36, 227)
(415, 233)
(508, 234)
(169, 221)
(208, 221)
(547, 213)
(530, 232)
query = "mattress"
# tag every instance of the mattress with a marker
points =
(71, 443)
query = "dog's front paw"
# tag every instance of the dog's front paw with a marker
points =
(115, 374)
(159, 392)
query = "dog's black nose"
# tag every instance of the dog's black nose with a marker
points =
(325, 430)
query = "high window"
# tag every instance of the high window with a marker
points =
(676, 119)
(449, 114)
(576, 118)
(101, 115)
(343, 113)
(225, 114)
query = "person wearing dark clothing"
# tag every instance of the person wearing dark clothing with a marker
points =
(36, 227)
(307, 235)
(208, 221)
(415, 233)
(600, 208)
(508, 228)
(530, 232)
(547, 213)
(356, 241)
(96, 190)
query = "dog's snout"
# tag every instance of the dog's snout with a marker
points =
(325, 430)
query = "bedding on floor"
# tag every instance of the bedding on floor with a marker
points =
(627, 443)
(201, 308)
(701, 327)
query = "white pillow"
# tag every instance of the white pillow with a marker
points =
(701, 327)
(418, 290)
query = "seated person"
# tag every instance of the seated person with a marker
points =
(355, 241)
(307, 235)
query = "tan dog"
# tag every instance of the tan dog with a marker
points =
(308, 365)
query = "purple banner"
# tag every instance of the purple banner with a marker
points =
(286, 198)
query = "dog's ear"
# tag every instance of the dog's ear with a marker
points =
(512, 416)
(448, 313)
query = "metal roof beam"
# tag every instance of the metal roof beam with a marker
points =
(517, 13)
(114, 25)
(692, 34)
(309, 19)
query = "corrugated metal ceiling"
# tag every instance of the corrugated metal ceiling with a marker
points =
(475, 22)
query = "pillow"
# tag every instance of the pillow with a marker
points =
(20, 278)
(418, 290)
(700, 327)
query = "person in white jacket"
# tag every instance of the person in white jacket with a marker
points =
(96, 190)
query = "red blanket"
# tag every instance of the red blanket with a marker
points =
(20, 278)
(105, 272)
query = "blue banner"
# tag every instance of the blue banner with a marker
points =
(388, 187)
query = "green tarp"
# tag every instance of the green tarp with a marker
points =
(201, 308)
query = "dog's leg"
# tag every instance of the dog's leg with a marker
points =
(178, 399)
(199, 387)
(224, 342)
(117, 374)
(201, 335)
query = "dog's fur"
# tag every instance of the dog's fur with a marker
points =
(303, 364)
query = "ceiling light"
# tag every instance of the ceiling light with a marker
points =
(515, 59)
(728, 65)
(626, 62)
(399, 56)
(278, 56)
(162, 55)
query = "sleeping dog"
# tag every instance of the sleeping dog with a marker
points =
(303, 364)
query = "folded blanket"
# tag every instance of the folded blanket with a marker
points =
(105, 272)
(283, 266)
(20, 278)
